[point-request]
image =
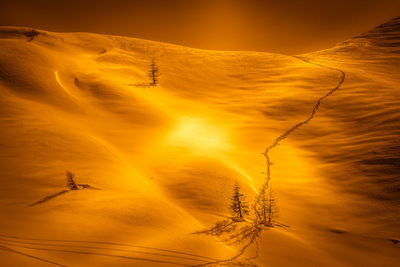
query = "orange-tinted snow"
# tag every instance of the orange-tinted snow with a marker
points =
(162, 160)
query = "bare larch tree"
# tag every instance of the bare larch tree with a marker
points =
(272, 209)
(261, 206)
(266, 208)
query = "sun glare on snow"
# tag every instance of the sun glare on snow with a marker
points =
(198, 134)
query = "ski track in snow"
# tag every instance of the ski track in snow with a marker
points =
(307, 120)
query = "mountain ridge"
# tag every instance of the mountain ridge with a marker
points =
(386, 34)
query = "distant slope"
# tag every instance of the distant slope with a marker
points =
(386, 35)
(384, 39)
(367, 110)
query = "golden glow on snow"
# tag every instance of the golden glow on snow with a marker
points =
(164, 158)
(199, 134)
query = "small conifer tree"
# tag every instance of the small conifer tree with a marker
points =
(70, 181)
(239, 206)
(153, 73)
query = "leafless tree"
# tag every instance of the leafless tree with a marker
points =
(272, 208)
(260, 206)
(266, 208)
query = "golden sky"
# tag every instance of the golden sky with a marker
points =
(289, 27)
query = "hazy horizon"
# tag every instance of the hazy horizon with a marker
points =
(265, 26)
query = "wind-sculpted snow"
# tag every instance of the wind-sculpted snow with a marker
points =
(166, 157)
(247, 235)
(307, 120)
(7, 249)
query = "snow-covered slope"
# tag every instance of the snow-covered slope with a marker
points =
(161, 161)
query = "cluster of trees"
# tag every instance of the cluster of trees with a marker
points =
(265, 206)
